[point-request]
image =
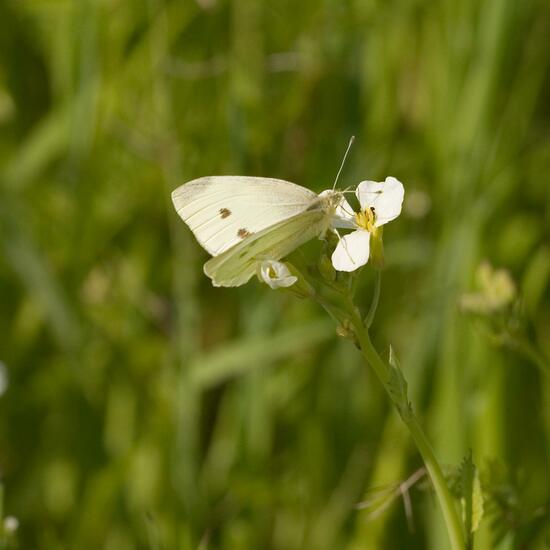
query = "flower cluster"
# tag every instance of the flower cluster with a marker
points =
(495, 291)
(380, 203)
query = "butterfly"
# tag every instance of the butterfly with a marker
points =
(242, 221)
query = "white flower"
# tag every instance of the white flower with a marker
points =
(11, 524)
(276, 274)
(380, 203)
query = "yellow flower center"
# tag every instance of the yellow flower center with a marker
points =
(366, 219)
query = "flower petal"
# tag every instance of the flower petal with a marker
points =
(344, 216)
(352, 251)
(276, 274)
(386, 198)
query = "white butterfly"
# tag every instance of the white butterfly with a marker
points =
(242, 221)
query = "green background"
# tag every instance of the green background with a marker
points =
(145, 408)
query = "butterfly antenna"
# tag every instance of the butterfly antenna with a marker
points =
(352, 139)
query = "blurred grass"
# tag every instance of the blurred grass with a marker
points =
(146, 409)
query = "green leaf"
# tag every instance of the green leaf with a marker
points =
(477, 503)
(471, 497)
(237, 358)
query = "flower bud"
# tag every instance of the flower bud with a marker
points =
(326, 269)
(276, 274)
(345, 330)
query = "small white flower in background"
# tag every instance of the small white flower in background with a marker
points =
(276, 274)
(4, 379)
(11, 524)
(380, 203)
(496, 291)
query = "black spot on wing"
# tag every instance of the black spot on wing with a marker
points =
(225, 212)
(243, 233)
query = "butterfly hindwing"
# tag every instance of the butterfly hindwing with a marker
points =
(237, 265)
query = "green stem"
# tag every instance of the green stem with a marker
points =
(375, 298)
(342, 310)
(452, 520)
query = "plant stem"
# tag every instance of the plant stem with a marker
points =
(375, 298)
(452, 520)
(342, 309)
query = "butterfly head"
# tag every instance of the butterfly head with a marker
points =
(330, 200)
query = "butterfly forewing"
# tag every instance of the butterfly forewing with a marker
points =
(222, 211)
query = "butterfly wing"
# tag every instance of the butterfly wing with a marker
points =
(237, 265)
(223, 210)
